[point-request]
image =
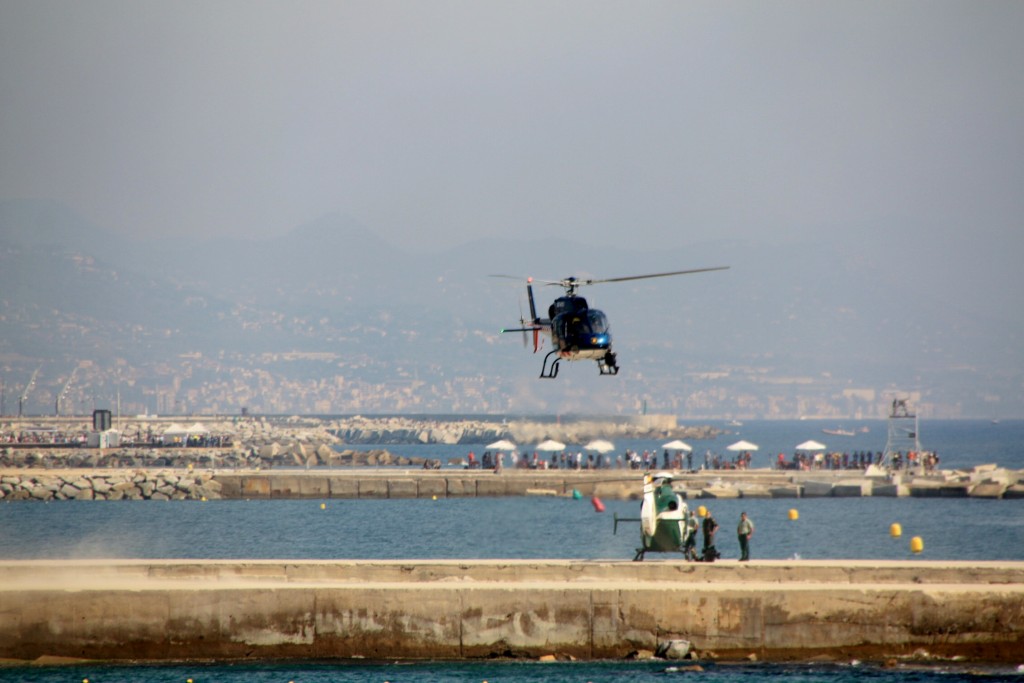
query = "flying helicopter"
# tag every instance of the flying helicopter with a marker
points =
(577, 331)
(665, 520)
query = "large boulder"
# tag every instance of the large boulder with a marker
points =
(674, 649)
(270, 450)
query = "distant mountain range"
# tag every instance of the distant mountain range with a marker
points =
(790, 329)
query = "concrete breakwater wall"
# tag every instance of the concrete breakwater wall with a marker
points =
(775, 610)
(194, 484)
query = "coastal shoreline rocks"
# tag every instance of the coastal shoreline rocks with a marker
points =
(136, 485)
(401, 430)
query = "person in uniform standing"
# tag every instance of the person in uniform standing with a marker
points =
(744, 531)
(690, 546)
(710, 527)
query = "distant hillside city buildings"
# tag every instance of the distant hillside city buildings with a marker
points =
(314, 324)
(324, 383)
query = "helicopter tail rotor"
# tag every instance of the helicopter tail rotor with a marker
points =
(534, 320)
(522, 323)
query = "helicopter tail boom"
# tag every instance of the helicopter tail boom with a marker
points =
(533, 306)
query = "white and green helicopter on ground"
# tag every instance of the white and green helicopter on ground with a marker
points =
(665, 520)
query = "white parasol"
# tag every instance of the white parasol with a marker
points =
(742, 446)
(551, 445)
(502, 445)
(811, 446)
(600, 445)
(677, 445)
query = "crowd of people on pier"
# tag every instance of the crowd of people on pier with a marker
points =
(858, 460)
(568, 460)
(44, 437)
(684, 461)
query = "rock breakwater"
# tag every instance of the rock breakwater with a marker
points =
(267, 456)
(137, 485)
(231, 442)
(401, 430)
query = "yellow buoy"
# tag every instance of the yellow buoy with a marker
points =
(895, 530)
(434, 498)
(323, 506)
(702, 511)
(794, 514)
(916, 544)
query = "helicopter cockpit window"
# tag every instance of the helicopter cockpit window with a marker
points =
(597, 321)
(589, 323)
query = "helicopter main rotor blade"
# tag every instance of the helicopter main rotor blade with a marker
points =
(645, 277)
(529, 280)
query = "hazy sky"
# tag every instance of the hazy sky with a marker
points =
(652, 123)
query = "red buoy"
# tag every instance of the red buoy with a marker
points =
(598, 505)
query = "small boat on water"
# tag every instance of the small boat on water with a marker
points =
(839, 432)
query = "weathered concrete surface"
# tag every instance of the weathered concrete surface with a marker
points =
(393, 482)
(131, 609)
(117, 484)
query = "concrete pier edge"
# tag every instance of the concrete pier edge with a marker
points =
(460, 609)
(393, 482)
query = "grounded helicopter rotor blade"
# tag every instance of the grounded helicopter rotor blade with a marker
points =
(645, 277)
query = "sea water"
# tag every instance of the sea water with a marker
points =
(535, 528)
(490, 671)
(521, 527)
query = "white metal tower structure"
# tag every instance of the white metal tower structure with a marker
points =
(903, 433)
(28, 388)
(64, 392)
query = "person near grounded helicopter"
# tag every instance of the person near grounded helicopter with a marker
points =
(690, 546)
(744, 531)
(709, 553)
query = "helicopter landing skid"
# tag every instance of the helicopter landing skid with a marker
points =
(550, 372)
(640, 552)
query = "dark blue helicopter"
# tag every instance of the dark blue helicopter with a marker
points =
(577, 331)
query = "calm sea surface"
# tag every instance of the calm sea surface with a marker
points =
(466, 528)
(504, 672)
